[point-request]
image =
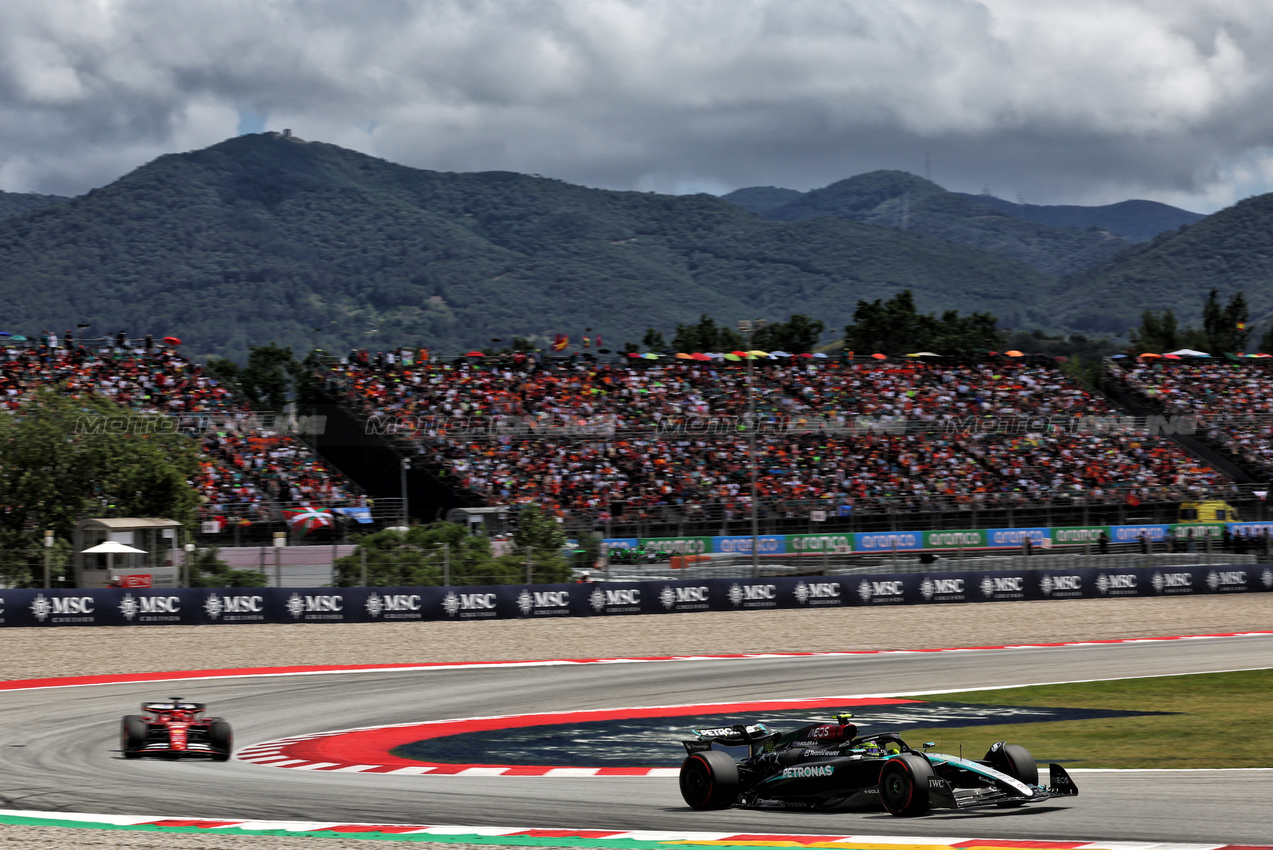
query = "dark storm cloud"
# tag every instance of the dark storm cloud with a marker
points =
(1055, 100)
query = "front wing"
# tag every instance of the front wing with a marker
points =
(942, 795)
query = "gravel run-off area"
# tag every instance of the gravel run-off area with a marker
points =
(69, 651)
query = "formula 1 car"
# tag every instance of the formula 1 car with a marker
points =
(175, 729)
(828, 766)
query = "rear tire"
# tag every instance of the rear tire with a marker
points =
(221, 739)
(132, 735)
(1017, 762)
(904, 785)
(709, 780)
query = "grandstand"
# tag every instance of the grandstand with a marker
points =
(643, 446)
(251, 468)
(1231, 399)
(637, 446)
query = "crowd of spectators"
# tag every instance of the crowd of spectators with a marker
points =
(246, 461)
(840, 433)
(1231, 402)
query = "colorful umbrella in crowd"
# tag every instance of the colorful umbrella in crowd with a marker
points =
(1014, 353)
(172, 340)
(306, 519)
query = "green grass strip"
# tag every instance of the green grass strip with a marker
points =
(1220, 720)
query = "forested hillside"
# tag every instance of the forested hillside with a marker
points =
(263, 238)
(12, 203)
(1053, 239)
(1231, 251)
(904, 201)
(1138, 221)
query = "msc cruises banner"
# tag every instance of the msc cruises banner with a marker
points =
(234, 606)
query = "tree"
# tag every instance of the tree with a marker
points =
(1266, 341)
(206, 569)
(895, 325)
(706, 335)
(798, 335)
(1156, 334)
(420, 557)
(653, 340)
(1224, 328)
(63, 460)
(270, 377)
(544, 537)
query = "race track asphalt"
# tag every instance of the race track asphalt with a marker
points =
(59, 747)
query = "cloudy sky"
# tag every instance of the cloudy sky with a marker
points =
(1046, 101)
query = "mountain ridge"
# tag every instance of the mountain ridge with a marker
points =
(262, 238)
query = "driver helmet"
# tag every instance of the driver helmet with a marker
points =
(873, 748)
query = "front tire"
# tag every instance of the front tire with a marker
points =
(221, 739)
(132, 735)
(709, 780)
(904, 785)
(1017, 762)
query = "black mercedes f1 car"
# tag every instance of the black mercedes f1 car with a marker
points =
(829, 766)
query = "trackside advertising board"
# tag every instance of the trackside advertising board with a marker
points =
(918, 541)
(232, 606)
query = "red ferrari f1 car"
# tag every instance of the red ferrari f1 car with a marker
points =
(174, 729)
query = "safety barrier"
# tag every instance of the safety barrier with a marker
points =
(120, 607)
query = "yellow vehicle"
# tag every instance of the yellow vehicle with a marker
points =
(1206, 512)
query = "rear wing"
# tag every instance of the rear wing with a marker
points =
(729, 736)
(173, 706)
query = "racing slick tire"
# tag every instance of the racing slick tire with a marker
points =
(1017, 762)
(132, 735)
(709, 780)
(904, 785)
(221, 739)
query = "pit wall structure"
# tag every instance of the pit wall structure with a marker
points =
(233, 606)
(866, 542)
